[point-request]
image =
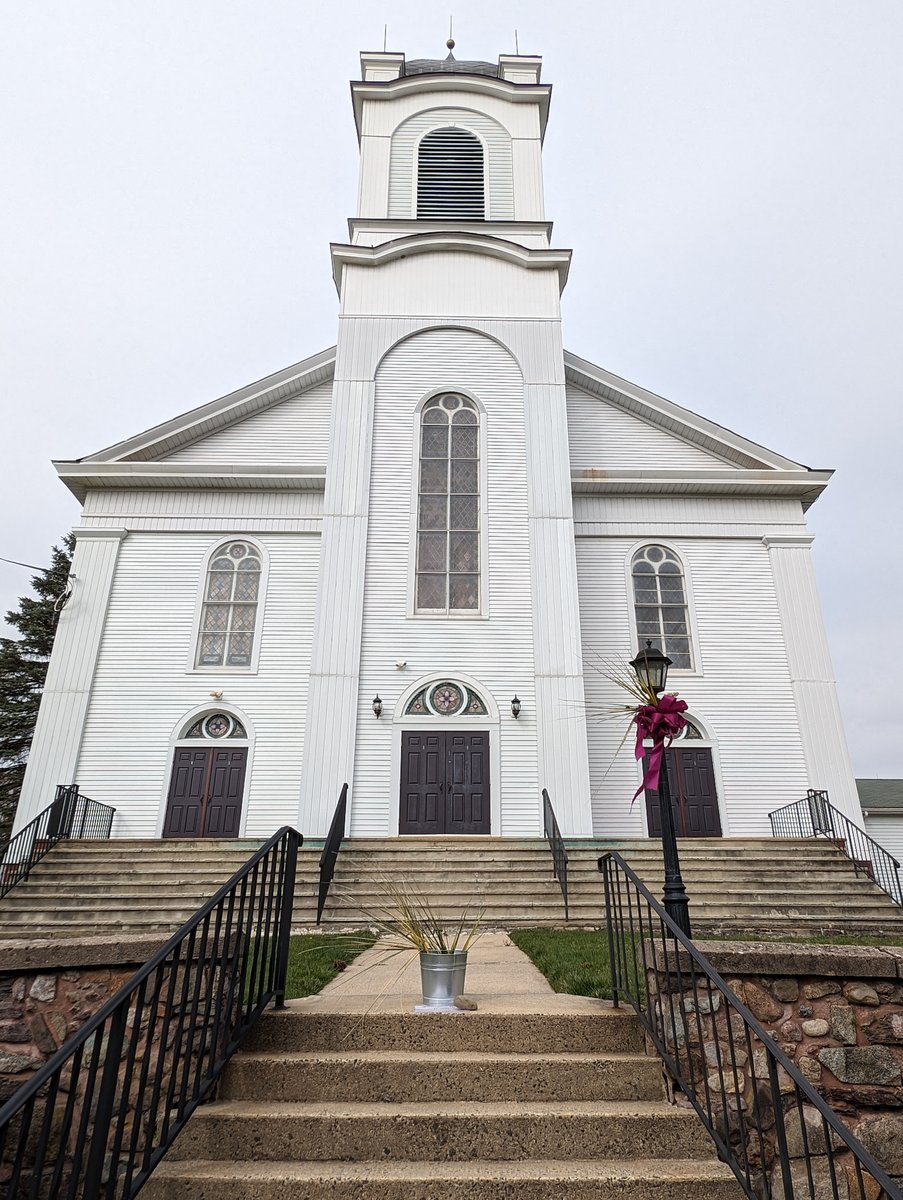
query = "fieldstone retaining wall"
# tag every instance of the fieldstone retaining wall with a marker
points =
(836, 1011)
(48, 990)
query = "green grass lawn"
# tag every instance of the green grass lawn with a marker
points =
(573, 960)
(316, 958)
(576, 960)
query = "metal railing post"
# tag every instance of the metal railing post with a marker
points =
(286, 910)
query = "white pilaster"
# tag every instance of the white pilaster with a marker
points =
(812, 676)
(335, 661)
(70, 675)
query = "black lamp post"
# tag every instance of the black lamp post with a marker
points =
(651, 667)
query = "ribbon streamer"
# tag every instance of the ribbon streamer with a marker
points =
(658, 722)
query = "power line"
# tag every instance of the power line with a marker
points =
(16, 563)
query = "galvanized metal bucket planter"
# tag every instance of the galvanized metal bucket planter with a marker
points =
(442, 978)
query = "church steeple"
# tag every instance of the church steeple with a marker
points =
(449, 139)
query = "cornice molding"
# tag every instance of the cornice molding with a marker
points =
(83, 533)
(802, 484)
(443, 242)
(442, 81)
(81, 477)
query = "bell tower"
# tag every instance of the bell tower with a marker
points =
(449, 282)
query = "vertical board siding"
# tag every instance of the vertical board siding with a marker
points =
(70, 674)
(821, 725)
(498, 651)
(602, 435)
(749, 711)
(497, 164)
(144, 688)
(294, 431)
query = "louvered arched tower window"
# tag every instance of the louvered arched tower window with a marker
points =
(450, 176)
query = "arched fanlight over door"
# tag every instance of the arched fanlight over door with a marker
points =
(446, 699)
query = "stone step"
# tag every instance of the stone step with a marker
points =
(428, 1076)
(531, 1179)
(604, 1031)
(448, 1131)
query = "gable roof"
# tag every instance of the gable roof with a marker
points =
(747, 466)
(880, 795)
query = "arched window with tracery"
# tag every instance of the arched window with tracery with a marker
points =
(660, 603)
(448, 506)
(229, 611)
(450, 176)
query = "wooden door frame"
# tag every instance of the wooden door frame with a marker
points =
(212, 746)
(178, 741)
(425, 725)
(446, 729)
(704, 743)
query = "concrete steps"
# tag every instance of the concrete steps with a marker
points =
(735, 885)
(524, 1104)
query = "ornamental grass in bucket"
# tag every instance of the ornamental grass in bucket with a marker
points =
(407, 923)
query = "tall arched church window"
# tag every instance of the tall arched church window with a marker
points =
(450, 176)
(229, 610)
(448, 506)
(660, 601)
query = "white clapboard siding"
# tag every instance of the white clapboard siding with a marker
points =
(726, 516)
(743, 694)
(144, 687)
(602, 435)
(887, 831)
(293, 431)
(497, 167)
(226, 511)
(498, 651)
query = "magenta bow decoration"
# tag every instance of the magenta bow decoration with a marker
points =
(659, 722)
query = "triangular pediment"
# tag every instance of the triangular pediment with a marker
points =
(628, 426)
(191, 433)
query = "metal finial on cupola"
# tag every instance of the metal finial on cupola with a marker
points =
(451, 41)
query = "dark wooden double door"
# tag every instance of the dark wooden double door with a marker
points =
(694, 801)
(444, 782)
(205, 792)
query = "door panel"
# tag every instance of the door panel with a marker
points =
(468, 798)
(444, 783)
(422, 783)
(205, 792)
(227, 783)
(186, 792)
(694, 800)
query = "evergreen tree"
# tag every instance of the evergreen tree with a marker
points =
(23, 669)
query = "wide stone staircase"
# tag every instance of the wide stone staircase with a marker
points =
(768, 886)
(534, 1097)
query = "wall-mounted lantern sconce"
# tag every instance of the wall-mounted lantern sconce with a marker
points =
(515, 708)
(377, 706)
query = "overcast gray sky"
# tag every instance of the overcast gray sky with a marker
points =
(728, 174)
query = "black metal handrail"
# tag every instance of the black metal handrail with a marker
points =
(331, 849)
(816, 816)
(71, 815)
(557, 846)
(96, 1119)
(769, 1124)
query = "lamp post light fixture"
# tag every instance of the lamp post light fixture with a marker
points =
(515, 707)
(651, 667)
(377, 706)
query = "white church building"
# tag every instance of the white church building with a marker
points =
(409, 561)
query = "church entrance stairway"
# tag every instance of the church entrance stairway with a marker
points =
(736, 885)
